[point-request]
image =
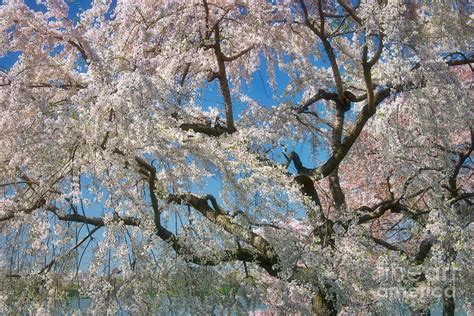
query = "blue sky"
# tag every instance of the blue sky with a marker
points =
(259, 89)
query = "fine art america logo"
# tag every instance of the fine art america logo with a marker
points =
(409, 283)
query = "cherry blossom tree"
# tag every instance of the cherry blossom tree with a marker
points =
(121, 184)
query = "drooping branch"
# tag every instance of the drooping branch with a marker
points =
(223, 220)
(48, 267)
(189, 255)
(264, 257)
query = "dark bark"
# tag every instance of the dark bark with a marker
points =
(323, 304)
(448, 302)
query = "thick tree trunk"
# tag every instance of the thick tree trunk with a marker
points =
(448, 292)
(448, 302)
(322, 305)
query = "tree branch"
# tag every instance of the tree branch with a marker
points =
(387, 245)
(216, 258)
(350, 11)
(234, 57)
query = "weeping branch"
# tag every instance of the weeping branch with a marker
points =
(187, 254)
(219, 217)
